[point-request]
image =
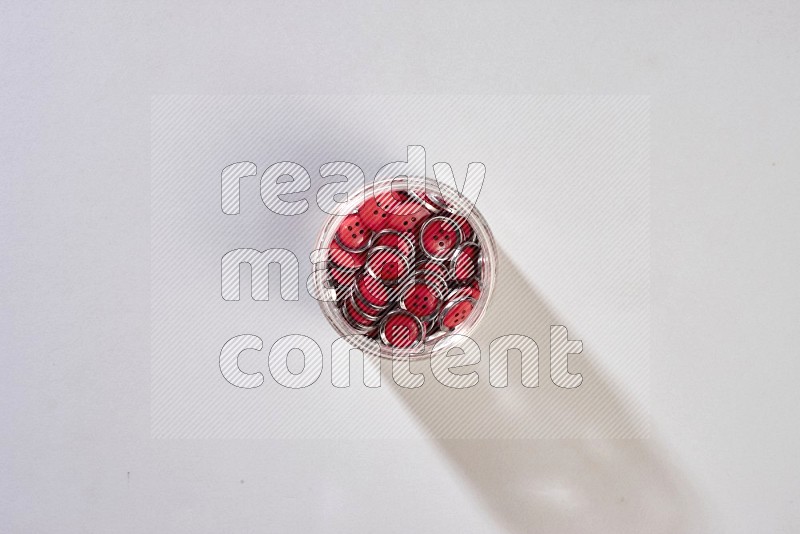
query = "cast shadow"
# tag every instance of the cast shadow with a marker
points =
(551, 485)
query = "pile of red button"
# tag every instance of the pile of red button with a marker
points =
(405, 268)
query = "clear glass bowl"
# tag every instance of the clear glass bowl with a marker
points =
(440, 341)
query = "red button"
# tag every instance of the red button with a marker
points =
(455, 312)
(408, 216)
(353, 235)
(374, 217)
(372, 291)
(439, 236)
(394, 239)
(387, 264)
(377, 210)
(421, 299)
(402, 330)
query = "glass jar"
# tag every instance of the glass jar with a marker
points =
(438, 196)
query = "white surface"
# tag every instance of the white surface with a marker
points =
(77, 80)
(567, 197)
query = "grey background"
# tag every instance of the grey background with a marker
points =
(76, 449)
